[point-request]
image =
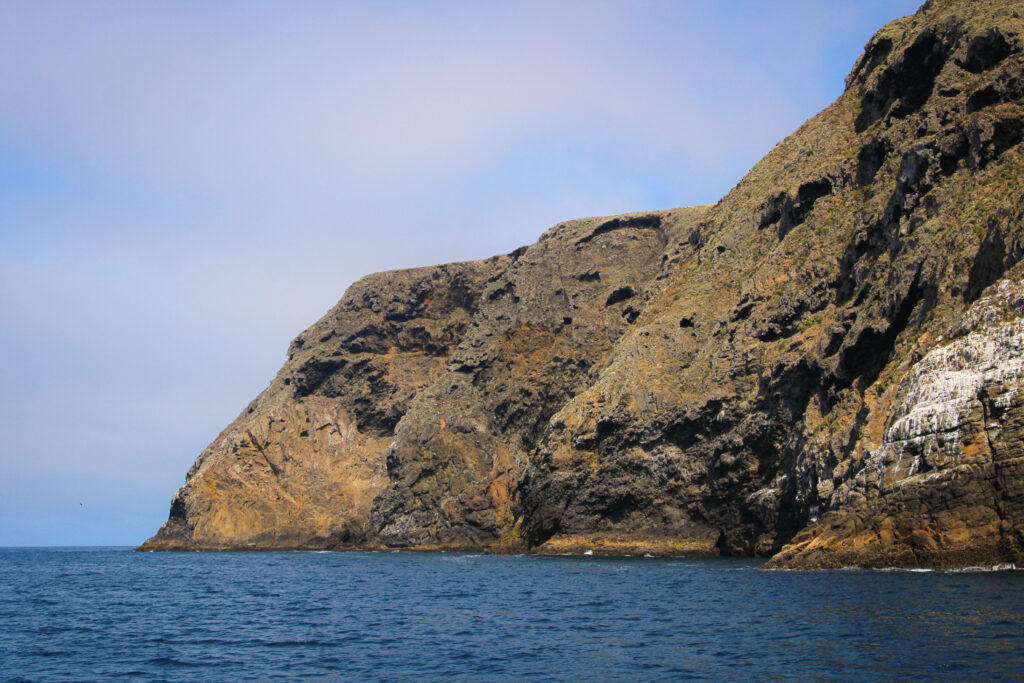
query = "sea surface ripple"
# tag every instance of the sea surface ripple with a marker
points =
(110, 614)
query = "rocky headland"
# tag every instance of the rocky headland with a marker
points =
(823, 368)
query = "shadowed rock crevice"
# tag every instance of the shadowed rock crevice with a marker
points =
(905, 85)
(786, 211)
(987, 49)
(647, 222)
(870, 159)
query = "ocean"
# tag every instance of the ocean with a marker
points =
(98, 614)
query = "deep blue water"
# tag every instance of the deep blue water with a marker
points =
(100, 614)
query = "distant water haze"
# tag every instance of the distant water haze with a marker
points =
(185, 187)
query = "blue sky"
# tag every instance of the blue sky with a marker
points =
(184, 187)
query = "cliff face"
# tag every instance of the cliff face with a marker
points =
(753, 391)
(946, 486)
(300, 466)
(822, 367)
(543, 333)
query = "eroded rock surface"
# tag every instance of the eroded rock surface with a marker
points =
(821, 367)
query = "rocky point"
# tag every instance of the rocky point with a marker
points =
(823, 368)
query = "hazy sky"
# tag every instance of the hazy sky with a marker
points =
(186, 186)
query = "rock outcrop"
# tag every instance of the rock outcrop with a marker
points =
(823, 367)
(946, 486)
(300, 466)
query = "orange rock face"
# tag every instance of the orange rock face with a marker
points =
(299, 468)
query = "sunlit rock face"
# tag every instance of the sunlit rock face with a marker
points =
(822, 367)
(300, 466)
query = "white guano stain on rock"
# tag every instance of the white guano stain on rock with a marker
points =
(942, 390)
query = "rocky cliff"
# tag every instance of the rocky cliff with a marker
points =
(822, 367)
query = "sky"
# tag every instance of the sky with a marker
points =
(186, 186)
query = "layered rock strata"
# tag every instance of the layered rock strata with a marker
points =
(821, 367)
